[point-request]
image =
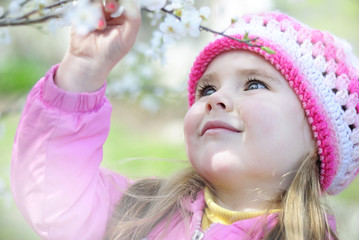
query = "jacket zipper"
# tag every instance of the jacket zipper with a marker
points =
(198, 234)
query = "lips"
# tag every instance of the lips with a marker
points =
(218, 125)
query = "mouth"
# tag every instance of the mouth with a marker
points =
(218, 125)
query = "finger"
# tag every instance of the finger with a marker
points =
(133, 10)
(101, 25)
(131, 25)
(118, 13)
(111, 6)
(132, 17)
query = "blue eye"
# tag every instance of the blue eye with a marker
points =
(205, 90)
(255, 84)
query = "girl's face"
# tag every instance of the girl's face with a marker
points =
(246, 123)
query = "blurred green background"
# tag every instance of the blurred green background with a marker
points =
(150, 143)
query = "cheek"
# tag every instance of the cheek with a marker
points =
(260, 138)
(271, 127)
(258, 118)
(191, 124)
(188, 127)
(273, 118)
(192, 120)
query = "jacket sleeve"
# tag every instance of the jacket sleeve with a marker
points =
(56, 178)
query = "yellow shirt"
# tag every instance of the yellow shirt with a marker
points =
(213, 213)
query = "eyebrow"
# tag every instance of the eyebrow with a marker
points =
(260, 73)
(244, 72)
(209, 77)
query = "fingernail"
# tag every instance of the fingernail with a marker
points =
(101, 24)
(110, 6)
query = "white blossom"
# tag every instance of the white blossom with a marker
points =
(191, 2)
(54, 25)
(84, 17)
(38, 3)
(174, 5)
(155, 17)
(1, 11)
(153, 5)
(131, 7)
(157, 54)
(193, 18)
(129, 84)
(204, 12)
(158, 48)
(45, 12)
(157, 39)
(63, 10)
(5, 36)
(179, 4)
(15, 7)
(192, 21)
(173, 29)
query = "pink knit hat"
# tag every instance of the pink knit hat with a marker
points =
(322, 71)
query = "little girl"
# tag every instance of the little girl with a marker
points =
(267, 134)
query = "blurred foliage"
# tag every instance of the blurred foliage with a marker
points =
(139, 145)
(10, 216)
(18, 75)
(135, 145)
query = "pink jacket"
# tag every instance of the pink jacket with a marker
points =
(57, 181)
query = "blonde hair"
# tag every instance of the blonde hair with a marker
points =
(303, 215)
(147, 202)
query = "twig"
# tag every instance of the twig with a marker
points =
(24, 19)
(248, 41)
(7, 11)
(46, 7)
(28, 22)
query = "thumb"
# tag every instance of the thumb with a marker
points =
(133, 23)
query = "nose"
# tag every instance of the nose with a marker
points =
(218, 101)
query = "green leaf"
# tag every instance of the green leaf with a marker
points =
(246, 36)
(268, 50)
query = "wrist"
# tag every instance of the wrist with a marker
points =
(80, 74)
(70, 102)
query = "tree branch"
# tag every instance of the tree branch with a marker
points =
(28, 22)
(248, 41)
(24, 19)
(27, 15)
(7, 11)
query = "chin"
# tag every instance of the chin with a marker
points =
(219, 174)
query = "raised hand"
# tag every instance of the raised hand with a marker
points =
(90, 58)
